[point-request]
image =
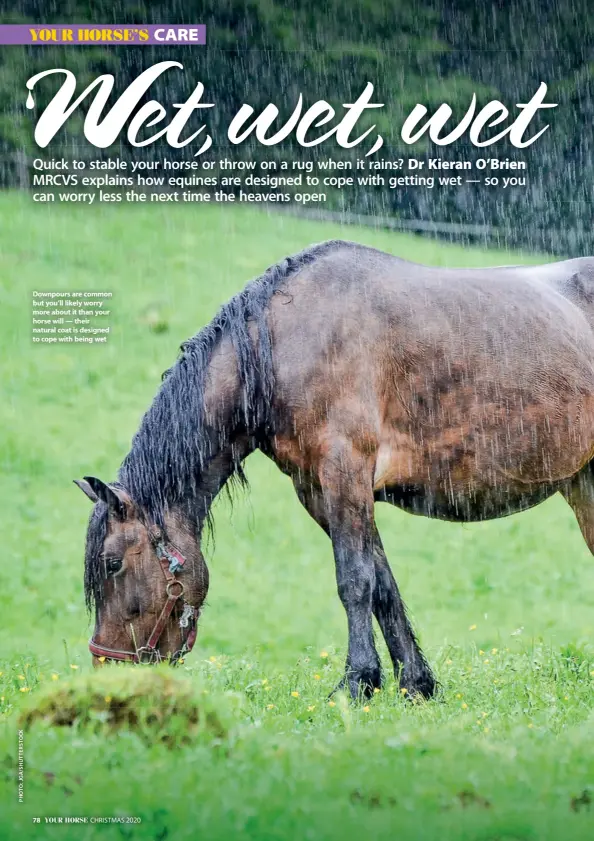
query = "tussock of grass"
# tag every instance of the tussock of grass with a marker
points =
(157, 705)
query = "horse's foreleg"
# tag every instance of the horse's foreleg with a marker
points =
(343, 505)
(410, 666)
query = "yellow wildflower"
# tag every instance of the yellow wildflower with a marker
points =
(464, 706)
(404, 690)
(481, 652)
(73, 666)
(107, 699)
(472, 628)
(264, 681)
(311, 708)
(366, 709)
(323, 653)
(102, 659)
(24, 689)
(494, 651)
(317, 677)
(294, 694)
(269, 706)
(54, 676)
(21, 677)
(458, 695)
(212, 658)
(486, 662)
(331, 703)
(449, 662)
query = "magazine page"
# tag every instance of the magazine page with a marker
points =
(297, 413)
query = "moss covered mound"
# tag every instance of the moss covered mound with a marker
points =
(157, 704)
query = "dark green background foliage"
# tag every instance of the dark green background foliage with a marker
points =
(265, 51)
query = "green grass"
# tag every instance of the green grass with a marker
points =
(505, 610)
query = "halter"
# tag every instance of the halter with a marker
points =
(172, 562)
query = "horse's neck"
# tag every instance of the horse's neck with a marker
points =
(220, 469)
(228, 444)
(190, 442)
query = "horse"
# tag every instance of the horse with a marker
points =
(458, 394)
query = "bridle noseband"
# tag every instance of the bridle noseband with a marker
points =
(172, 562)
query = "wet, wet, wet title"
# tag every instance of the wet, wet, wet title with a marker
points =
(304, 124)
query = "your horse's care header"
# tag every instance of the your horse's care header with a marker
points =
(91, 34)
(305, 123)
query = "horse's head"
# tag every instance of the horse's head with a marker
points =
(147, 584)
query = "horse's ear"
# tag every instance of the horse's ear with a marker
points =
(117, 500)
(86, 489)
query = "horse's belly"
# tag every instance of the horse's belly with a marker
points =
(464, 508)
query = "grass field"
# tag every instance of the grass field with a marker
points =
(505, 610)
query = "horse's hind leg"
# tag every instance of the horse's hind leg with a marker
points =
(579, 493)
(409, 664)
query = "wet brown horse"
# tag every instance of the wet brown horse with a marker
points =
(462, 394)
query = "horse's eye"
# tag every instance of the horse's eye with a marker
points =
(113, 565)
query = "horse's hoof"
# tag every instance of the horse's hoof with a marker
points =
(422, 687)
(360, 685)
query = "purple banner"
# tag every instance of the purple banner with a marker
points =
(88, 34)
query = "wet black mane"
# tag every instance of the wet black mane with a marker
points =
(171, 447)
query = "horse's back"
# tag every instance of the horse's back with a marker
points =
(356, 301)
